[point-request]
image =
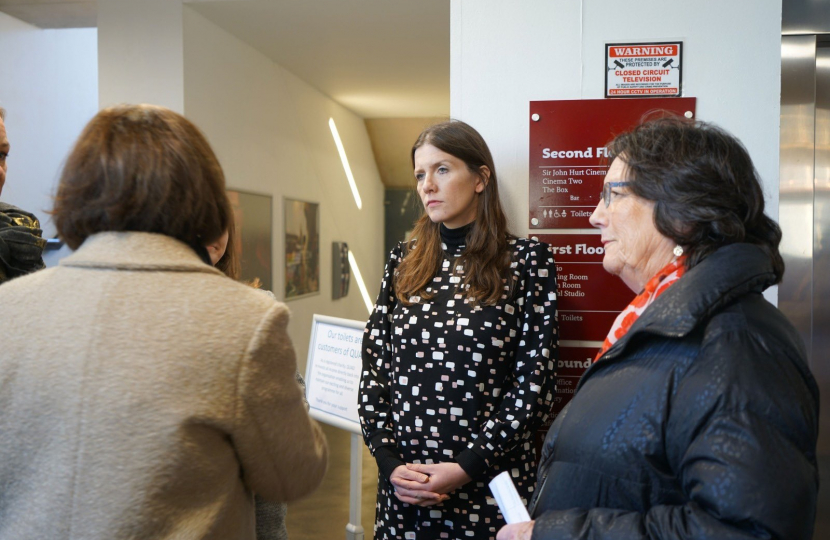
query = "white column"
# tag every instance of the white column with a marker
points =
(141, 53)
(504, 56)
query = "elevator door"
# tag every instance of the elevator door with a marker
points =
(804, 294)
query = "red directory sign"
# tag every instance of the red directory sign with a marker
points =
(568, 155)
(573, 361)
(588, 297)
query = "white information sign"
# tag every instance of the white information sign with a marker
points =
(333, 371)
(643, 69)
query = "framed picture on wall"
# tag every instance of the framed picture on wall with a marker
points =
(252, 215)
(302, 248)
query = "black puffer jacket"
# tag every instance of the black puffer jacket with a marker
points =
(700, 423)
(21, 245)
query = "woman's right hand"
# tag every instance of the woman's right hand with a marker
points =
(516, 531)
(409, 487)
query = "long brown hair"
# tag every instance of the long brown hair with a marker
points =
(486, 259)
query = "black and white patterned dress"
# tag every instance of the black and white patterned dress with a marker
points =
(444, 381)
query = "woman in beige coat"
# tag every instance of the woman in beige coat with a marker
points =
(144, 394)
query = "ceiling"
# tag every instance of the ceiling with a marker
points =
(386, 60)
(379, 58)
(52, 13)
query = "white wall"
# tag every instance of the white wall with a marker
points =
(270, 132)
(49, 88)
(140, 53)
(504, 54)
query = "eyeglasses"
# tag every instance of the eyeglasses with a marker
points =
(605, 194)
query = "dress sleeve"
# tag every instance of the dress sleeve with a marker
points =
(528, 394)
(375, 404)
(746, 466)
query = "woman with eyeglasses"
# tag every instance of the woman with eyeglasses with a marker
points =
(699, 416)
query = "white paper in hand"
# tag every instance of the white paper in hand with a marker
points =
(508, 499)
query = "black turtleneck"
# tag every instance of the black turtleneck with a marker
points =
(455, 238)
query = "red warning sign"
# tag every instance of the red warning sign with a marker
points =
(643, 69)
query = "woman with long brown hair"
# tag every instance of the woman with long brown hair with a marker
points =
(459, 352)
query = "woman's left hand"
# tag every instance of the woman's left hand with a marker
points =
(443, 477)
(516, 531)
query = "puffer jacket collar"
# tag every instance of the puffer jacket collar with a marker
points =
(727, 274)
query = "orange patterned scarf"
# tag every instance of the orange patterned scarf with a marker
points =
(654, 288)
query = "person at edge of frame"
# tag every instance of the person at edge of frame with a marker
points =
(699, 417)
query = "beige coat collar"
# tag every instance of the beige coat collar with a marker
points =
(137, 251)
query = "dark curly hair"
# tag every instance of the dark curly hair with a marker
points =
(706, 190)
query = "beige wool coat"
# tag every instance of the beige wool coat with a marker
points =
(144, 395)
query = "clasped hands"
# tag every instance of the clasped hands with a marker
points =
(427, 484)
